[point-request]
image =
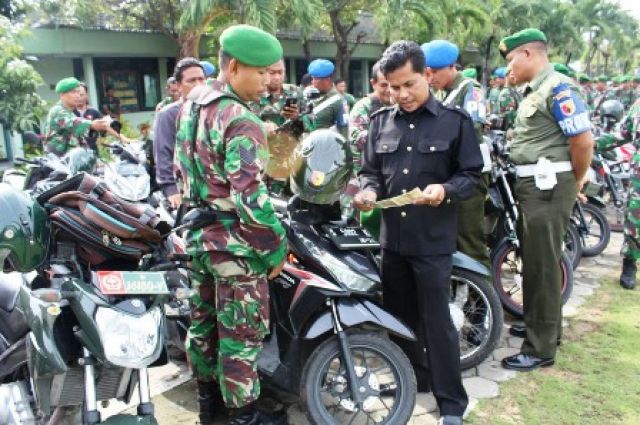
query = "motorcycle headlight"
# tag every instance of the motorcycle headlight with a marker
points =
(130, 341)
(342, 272)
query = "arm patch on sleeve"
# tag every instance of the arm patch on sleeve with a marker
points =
(570, 111)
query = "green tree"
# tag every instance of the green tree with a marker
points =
(20, 106)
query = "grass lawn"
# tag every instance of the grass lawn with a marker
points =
(596, 378)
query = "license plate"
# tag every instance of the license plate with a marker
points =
(132, 283)
(350, 237)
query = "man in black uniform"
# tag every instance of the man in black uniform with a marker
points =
(421, 143)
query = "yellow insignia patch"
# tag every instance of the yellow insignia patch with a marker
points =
(317, 178)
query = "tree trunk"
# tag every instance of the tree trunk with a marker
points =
(189, 42)
(340, 35)
(307, 50)
(485, 64)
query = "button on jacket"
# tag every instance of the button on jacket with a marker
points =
(433, 145)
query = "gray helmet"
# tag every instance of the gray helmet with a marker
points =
(81, 159)
(612, 109)
(323, 166)
(24, 230)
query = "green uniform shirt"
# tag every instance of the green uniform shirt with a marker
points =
(537, 131)
(508, 106)
(331, 109)
(359, 121)
(467, 94)
(270, 106)
(494, 95)
(63, 130)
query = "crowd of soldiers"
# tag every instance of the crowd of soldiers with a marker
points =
(421, 126)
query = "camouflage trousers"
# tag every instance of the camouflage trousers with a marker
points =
(631, 245)
(229, 321)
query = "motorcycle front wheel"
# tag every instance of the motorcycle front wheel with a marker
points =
(597, 234)
(507, 277)
(386, 382)
(573, 245)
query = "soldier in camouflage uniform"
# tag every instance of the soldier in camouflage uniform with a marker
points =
(631, 246)
(494, 93)
(602, 93)
(64, 130)
(360, 115)
(465, 94)
(508, 102)
(220, 155)
(627, 94)
(173, 94)
(330, 108)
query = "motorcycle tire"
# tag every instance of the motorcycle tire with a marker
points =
(598, 233)
(316, 372)
(483, 319)
(573, 245)
(510, 293)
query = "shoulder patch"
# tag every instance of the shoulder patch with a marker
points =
(569, 110)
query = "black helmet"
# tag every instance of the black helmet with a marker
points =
(24, 230)
(612, 108)
(322, 167)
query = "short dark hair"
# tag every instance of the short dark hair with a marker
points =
(399, 53)
(223, 59)
(339, 80)
(84, 86)
(375, 69)
(306, 79)
(185, 63)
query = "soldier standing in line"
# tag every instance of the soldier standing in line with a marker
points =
(552, 150)
(464, 94)
(330, 108)
(64, 130)
(220, 155)
(494, 93)
(508, 102)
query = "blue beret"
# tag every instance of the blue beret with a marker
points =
(208, 68)
(321, 68)
(440, 53)
(500, 72)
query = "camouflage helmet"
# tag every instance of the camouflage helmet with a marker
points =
(24, 230)
(323, 165)
(81, 159)
(612, 109)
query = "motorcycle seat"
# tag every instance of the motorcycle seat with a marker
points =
(9, 290)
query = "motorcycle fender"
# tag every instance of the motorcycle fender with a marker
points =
(354, 312)
(463, 261)
(597, 201)
(130, 420)
(43, 353)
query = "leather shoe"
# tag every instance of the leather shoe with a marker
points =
(450, 420)
(525, 363)
(250, 415)
(519, 331)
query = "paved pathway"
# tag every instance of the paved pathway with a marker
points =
(178, 406)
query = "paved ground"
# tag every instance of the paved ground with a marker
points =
(178, 405)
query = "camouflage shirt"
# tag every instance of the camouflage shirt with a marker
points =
(508, 106)
(222, 170)
(359, 120)
(493, 98)
(63, 130)
(269, 107)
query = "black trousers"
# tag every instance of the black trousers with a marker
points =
(417, 290)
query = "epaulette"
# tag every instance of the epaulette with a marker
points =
(456, 108)
(382, 110)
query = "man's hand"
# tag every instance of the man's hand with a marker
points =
(365, 200)
(174, 201)
(276, 271)
(432, 195)
(290, 112)
(100, 125)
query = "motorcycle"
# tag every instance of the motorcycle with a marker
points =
(73, 335)
(128, 176)
(502, 216)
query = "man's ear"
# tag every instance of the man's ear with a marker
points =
(232, 69)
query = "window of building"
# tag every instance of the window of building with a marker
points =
(135, 82)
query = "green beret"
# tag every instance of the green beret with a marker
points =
(470, 73)
(67, 84)
(525, 36)
(563, 69)
(584, 78)
(602, 78)
(250, 45)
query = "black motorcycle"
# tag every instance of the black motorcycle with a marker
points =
(502, 215)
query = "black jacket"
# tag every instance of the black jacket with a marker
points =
(434, 144)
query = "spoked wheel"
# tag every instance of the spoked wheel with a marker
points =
(573, 245)
(595, 237)
(507, 277)
(386, 383)
(477, 315)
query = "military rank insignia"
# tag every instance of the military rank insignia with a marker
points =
(570, 111)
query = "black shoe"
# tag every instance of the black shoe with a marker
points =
(450, 420)
(628, 276)
(250, 415)
(210, 402)
(519, 331)
(525, 363)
